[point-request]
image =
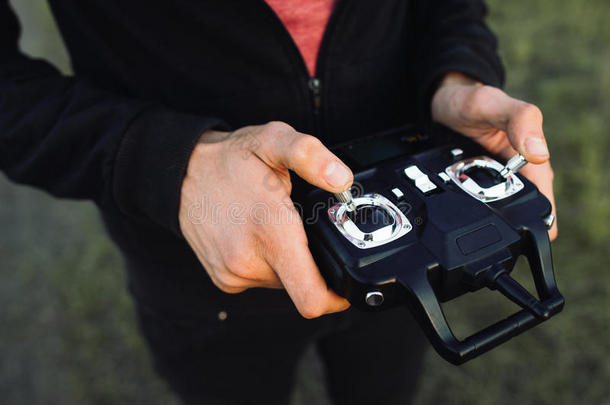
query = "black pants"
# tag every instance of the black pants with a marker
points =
(250, 356)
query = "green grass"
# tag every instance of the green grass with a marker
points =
(67, 328)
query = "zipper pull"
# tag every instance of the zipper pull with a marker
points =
(314, 86)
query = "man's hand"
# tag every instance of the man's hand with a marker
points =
(237, 215)
(501, 124)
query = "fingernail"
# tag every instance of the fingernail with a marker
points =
(336, 174)
(536, 146)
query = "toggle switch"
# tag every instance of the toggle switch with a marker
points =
(421, 180)
(515, 164)
(346, 198)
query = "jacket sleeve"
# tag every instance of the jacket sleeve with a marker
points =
(451, 35)
(64, 135)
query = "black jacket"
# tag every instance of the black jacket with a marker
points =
(150, 77)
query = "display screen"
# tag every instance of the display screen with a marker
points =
(368, 152)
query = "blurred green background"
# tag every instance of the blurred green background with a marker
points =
(67, 328)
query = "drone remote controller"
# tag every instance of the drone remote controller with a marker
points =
(431, 218)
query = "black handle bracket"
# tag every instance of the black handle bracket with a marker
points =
(426, 308)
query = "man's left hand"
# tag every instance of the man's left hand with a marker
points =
(501, 124)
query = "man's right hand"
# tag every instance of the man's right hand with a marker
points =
(237, 215)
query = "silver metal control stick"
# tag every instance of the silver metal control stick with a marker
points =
(346, 198)
(513, 165)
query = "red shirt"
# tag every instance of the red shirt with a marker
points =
(306, 21)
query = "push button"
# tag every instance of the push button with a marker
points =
(457, 153)
(398, 193)
(374, 298)
(421, 180)
(444, 177)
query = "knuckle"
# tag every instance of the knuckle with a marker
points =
(483, 92)
(278, 128)
(225, 279)
(531, 110)
(227, 289)
(224, 283)
(236, 290)
(243, 265)
(311, 310)
(304, 147)
(487, 92)
(234, 263)
(242, 270)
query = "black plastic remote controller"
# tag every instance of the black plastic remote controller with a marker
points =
(435, 218)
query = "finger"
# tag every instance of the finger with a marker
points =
(526, 135)
(248, 271)
(230, 283)
(283, 147)
(302, 280)
(234, 275)
(542, 177)
(521, 121)
(233, 282)
(214, 274)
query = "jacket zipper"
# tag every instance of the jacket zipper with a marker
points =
(313, 84)
(316, 82)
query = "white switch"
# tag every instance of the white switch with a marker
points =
(424, 184)
(398, 193)
(413, 173)
(457, 152)
(421, 180)
(444, 177)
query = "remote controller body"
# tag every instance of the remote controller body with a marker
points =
(434, 221)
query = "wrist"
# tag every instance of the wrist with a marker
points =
(208, 147)
(199, 166)
(458, 78)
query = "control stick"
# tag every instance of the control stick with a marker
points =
(513, 165)
(346, 198)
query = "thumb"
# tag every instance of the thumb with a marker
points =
(525, 132)
(282, 147)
